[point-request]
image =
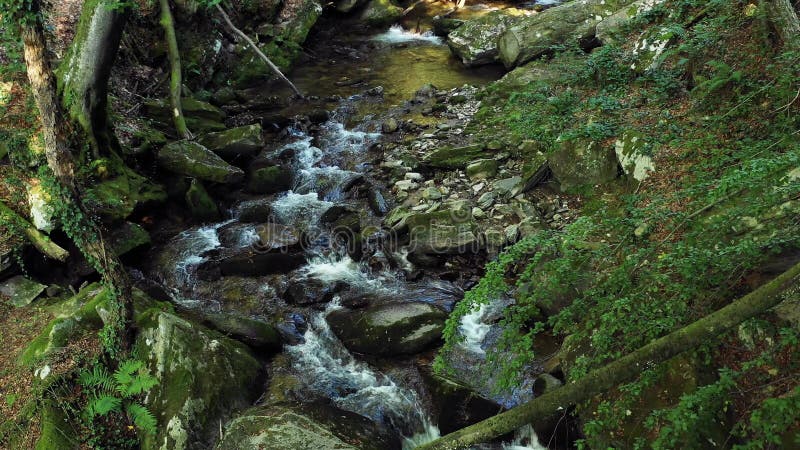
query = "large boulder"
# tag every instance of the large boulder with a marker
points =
(572, 22)
(270, 179)
(203, 378)
(452, 158)
(194, 160)
(449, 230)
(234, 143)
(579, 162)
(632, 151)
(117, 198)
(314, 427)
(200, 203)
(379, 13)
(475, 42)
(388, 329)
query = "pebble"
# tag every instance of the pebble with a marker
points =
(405, 185)
(414, 176)
(478, 213)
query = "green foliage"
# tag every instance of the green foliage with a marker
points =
(116, 394)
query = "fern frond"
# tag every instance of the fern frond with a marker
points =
(126, 371)
(142, 418)
(101, 406)
(139, 385)
(97, 378)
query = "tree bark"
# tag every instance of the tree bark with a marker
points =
(57, 133)
(784, 17)
(623, 369)
(36, 237)
(175, 71)
(534, 36)
(259, 52)
(84, 73)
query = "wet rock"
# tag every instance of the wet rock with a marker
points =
(442, 26)
(314, 427)
(475, 41)
(194, 160)
(255, 333)
(270, 179)
(458, 405)
(306, 292)
(273, 236)
(20, 290)
(234, 143)
(389, 329)
(631, 150)
(507, 187)
(452, 158)
(203, 377)
(579, 162)
(482, 169)
(201, 205)
(116, 199)
(252, 211)
(545, 383)
(224, 96)
(376, 201)
(250, 263)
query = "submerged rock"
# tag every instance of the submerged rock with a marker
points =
(203, 378)
(194, 160)
(314, 427)
(389, 329)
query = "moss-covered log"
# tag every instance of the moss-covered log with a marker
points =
(623, 369)
(83, 74)
(175, 75)
(36, 237)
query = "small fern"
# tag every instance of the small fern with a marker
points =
(117, 393)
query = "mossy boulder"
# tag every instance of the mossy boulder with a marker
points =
(234, 143)
(632, 151)
(117, 198)
(201, 117)
(203, 378)
(128, 237)
(579, 163)
(379, 13)
(449, 230)
(200, 203)
(56, 432)
(270, 179)
(475, 42)
(456, 404)
(482, 169)
(20, 291)
(452, 158)
(610, 30)
(255, 333)
(313, 427)
(194, 160)
(389, 329)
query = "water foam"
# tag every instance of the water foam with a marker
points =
(398, 35)
(474, 329)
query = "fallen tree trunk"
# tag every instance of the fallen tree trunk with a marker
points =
(36, 237)
(569, 23)
(258, 51)
(784, 17)
(623, 369)
(83, 75)
(57, 134)
(175, 76)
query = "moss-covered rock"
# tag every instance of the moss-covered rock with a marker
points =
(449, 230)
(200, 203)
(315, 427)
(482, 169)
(128, 237)
(256, 210)
(452, 158)
(457, 405)
(632, 152)
(579, 162)
(192, 159)
(270, 180)
(475, 42)
(609, 30)
(117, 198)
(56, 431)
(234, 143)
(201, 117)
(203, 378)
(389, 329)
(379, 13)
(20, 291)
(255, 333)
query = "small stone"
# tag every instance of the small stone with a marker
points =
(390, 125)
(478, 213)
(405, 185)
(432, 193)
(511, 233)
(482, 169)
(414, 176)
(486, 200)
(507, 187)
(478, 187)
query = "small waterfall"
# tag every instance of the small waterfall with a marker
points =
(398, 35)
(188, 247)
(330, 370)
(301, 211)
(474, 329)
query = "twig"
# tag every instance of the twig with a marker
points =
(258, 51)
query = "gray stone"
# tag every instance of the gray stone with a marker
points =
(579, 162)
(235, 142)
(475, 41)
(21, 291)
(482, 169)
(194, 160)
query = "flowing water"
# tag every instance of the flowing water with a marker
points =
(324, 162)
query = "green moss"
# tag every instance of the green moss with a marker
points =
(56, 431)
(452, 158)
